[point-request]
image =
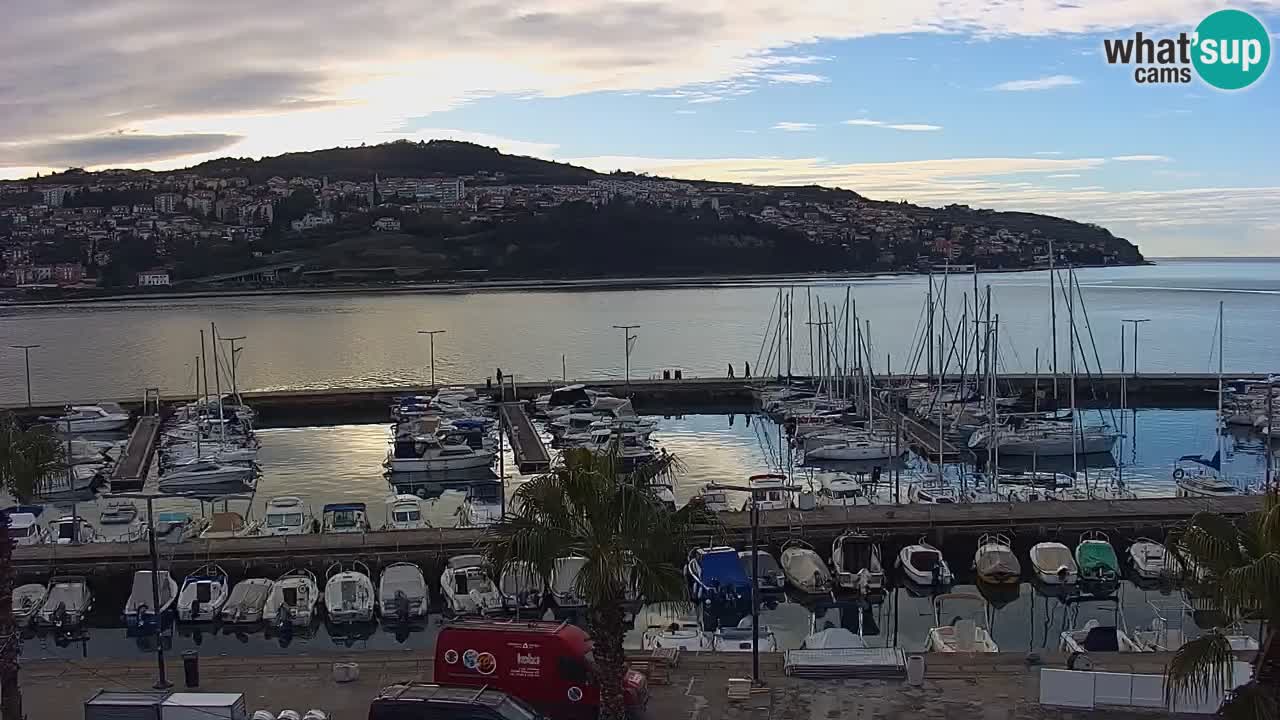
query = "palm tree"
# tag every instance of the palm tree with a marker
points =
(26, 457)
(1233, 569)
(632, 542)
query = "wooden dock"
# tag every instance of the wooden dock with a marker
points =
(893, 523)
(131, 471)
(526, 444)
(922, 438)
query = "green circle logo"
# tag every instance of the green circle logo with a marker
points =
(1232, 49)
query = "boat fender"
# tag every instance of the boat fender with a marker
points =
(1179, 473)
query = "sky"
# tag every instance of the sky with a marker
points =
(1009, 105)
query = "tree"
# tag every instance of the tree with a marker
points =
(1232, 568)
(26, 457)
(587, 507)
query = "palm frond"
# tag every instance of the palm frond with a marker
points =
(1200, 669)
(27, 457)
(1253, 587)
(1251, 701)
(1212, 542)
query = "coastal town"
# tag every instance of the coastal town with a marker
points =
(144, 229)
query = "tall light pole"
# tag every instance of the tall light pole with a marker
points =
(1136, 322)
(432, 334)
(235, 388)
(26, 357)
(626, 347)
(162, 682)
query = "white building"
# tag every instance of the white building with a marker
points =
(167, 203)
(54, 196)
(313, 220)
(386, 224)
(153, 278)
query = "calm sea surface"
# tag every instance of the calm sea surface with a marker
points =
(113, 350)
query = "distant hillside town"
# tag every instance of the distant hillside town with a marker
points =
(341, 219)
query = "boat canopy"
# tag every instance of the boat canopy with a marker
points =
(569, 395)
(1096, 555)
(344, 507)
(1054, 557)
(23, 509)
(722, 566)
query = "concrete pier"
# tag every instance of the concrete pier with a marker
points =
(526, 444)
(131, 471)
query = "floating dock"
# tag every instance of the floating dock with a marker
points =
(268, 555)
(526, 444)
(131, 471)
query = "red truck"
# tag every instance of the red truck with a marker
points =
(547, 664)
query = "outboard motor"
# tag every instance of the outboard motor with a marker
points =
(937, 573)
(60, 615)
(402, 607)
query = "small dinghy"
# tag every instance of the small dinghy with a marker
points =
(70, 530)
(1096, 637)
(835, 638)
(402, 593)
(119, 512)
(520, 587)
(467, 587)
(1096, 558)
(855, 558)
(203, 594)
(1054, 564)
(564, 577)
(145, 609)
(293, 600)
(247, 600)
(995, 562)
(1151, 561)
(924, 565)
(771, 579)
(676, 629)
(67, 602)
(348, 594)
(960, 634)
(738, 639)
(27, 601)
(805, 571)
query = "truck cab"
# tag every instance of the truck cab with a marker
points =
(548, 665)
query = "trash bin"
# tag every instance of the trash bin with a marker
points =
(679, 374)
(915, 670)
(666, 374)
(191, 668)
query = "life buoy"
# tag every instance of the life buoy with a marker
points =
(1179, 473)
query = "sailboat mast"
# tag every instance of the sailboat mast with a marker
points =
(846, 374)
(217, 382)
(1071, 335)
(1053, 325)
(1222, 331)
(929, 333)
(809, 323)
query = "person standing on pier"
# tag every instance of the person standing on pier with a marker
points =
(746, 369)
(730, 369)
(499, 377)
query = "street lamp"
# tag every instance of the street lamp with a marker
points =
(1136, 322)
(755, 560)
(162, 682)
(432, 334)
(26, 356)
(235, 388)
(626, 346)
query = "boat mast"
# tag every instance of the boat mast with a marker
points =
(845, 374)
(929, 333)
(1222, 331)
(1053, 327)
(809, 323)
(1071, 335)
(1035, 412)
(995, 407)
(871, 414)
(217, 382)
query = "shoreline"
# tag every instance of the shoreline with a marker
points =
(477, 286)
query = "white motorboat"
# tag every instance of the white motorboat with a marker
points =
(714, 499)
(739, 639)
(841, 491)
(93, 452)
(1096, 637)
(25, 529)
(1054, 564)
(676, 630)
(1204, 486)
(852, 449)
(145, 608)
(174, 527)
(203, 594)
(403, 595)
(205, 473)
(805, 571)
(833, 638)
(226, 454)
(103, 417)
(72, 529)
(935, 495)
(344, 518)
(483, 505)
(27, 601)
(520, 586)
(65, 605)
(287, 515)
(855, 559)
(348, 594)
(74, 479)
(293, 600)
(1151, 560)
(428, 453)
(247, 601)
(995, 562)
(664, 492)
(772, 579)
(960, 634)
(404, 512)
(769, 492)
(1096, 559)
(1044, 440)
(924, 565)
(118, 512)
(564, 577)
(467, 587)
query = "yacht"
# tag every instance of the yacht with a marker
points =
(402, 593)
(769, 492)
(482, 506)
(247, 601)
(1204, 486)
(520, 587)
(805, 571)
(467, 587)
(855, 559)
(714, 499)
(67, 602)
(404, 512)
(103, 417)
(144, 608)
(1045, 440)
(428, 453)
(865, 448)
(203, 594)
(25, 529)
(27, 601)
(293, 600)
(960, 634)
(564, 577)
(841, 491)
(206, 473)
(286, 516)
(344, 518)
(348, 593)
(73, 479)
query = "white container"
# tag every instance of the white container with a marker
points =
(346, 672)
(915, 670)
(204, 706)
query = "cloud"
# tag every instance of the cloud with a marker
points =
(796, 78)
(794, 126)
(706, 99)
(1042, 83)
(906, 127)
(112, 149)
(686, 112)
(1140, 158)
(1047, 152)
(1063, 175)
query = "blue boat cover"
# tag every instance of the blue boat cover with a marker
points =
(723, 567)
(340, 507)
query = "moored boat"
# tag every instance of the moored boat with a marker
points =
(924, 565)
(1054, 564)
(348, 593)
(467, 587)
(1096, 559)
(855, 559)
(402, 593)
(293, 600)
(68, 601)
(995, 561)
(27, 601)
(804, 569)
(145, 608)
(247, 601)
(203, 594)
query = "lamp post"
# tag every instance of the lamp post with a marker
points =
(626, 347)
(1136, 322)
(26, 357)
(235, 388)
(162, 682)
(755, 563)
(432, 334)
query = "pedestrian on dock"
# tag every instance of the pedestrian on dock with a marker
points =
(499, 377)
(730, 369)
(746, 369)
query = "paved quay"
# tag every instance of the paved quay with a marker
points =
(982, 687)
